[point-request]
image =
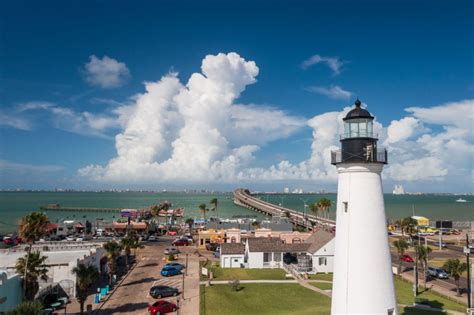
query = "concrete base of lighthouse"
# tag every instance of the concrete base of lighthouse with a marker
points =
(363, 279)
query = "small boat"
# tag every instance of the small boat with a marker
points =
(461, 200)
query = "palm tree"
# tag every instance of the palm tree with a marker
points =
(325, 205)
(409, 226)
(189, 222)
(214, 202)
(86, 275)
(32, 227)
(27, 308)
(401, 245)
(33, 267)
(203, 210)
(127, 244)
(455, 268)
(314, 208)
(422, 253)
(113, 250)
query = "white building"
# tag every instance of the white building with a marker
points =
(398, 190)
(321, 250)
(232, 255)
(61, 259)
(286, 190)
(314, 255)
(363, 279)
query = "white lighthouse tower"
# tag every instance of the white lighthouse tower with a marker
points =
(363, 279)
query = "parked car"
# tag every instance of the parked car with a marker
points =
(169, 271)
(11, 240)
(181, 242)
(212, 247)
(162, 307)
(152, 238)
(175, 265)
(160, 291)
(438, 273)
(171, 251)
(407, 258)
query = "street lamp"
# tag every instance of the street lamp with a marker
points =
(282, 198)
(304, 212)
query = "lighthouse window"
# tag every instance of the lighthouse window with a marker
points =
(345, 203)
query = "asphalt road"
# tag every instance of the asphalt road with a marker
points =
(132, 296)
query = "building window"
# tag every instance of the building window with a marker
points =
(267, 257)
(236, 260)
(322, 261)
(346, 205)
(390, 311)
(232, 239)
(277, 257)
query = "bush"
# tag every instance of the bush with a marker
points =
(235, 284)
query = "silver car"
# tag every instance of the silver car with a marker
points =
(171, 251)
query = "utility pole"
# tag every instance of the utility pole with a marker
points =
(467, 250)
(441, 236)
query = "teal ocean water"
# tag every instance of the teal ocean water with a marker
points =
(14, 205)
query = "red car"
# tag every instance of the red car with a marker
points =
(11, 241)
(407, 258)
(162, 307)
(181, 242)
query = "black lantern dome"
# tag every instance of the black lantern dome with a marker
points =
(358, 112)
(359, 142)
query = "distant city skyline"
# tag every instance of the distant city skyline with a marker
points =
(220, 96)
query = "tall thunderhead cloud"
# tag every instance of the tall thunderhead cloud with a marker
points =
(181, 132)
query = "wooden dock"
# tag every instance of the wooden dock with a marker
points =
(80, 209)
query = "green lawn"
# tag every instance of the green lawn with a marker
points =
(321, 276)
(321, 285)
(262, 299)
(405, 296)
(248, 274)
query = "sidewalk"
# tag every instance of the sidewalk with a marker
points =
(189, 305)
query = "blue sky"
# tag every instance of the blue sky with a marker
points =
(392, 54)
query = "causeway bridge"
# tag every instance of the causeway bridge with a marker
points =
(243, 198)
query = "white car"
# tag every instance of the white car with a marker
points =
(70, 239)
(152, 238)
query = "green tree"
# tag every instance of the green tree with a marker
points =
(423, 253)
(86, 275)
(203, 209)
(214, 202)
(112, 250)
(401, 246)
(455, 268)
(408, 226)
(33, 267)
(190, 222)
(324, 205)
(314, 208)
(127, 243)
(27, 308)
(32, 227)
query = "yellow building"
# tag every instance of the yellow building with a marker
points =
(421, 221)
(210, 236)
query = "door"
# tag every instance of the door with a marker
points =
(226, 262)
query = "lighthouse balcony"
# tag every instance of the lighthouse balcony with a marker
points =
(359, 134)
(340, 156)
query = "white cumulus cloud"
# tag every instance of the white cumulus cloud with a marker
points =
(334, 91)
(194, 132)
(106, 72)
(334, 63)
